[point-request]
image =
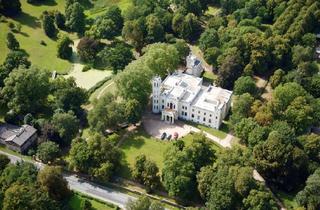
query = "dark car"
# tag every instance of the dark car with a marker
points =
(169, 136)
(163, 136)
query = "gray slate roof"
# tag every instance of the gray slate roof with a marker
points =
(15, 134)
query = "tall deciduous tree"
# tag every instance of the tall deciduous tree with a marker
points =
(309, 197)
(48, 151)
(12, 42)
(64, 50)
(10, 8)
(52, 181)
(26, 90)
(75, 18)
(66, 125)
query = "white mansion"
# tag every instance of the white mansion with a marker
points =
(182, 95)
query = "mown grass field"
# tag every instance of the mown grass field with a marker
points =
(99, 6)
(154, 149)
(77, 199)
(32, 34)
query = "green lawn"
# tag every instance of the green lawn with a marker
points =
(9, 151)
(287, 199)
(107, 87)
(77, 198)
(209, 77)
(99, 6)
(142, 143)
(221, 134)
(31, 34)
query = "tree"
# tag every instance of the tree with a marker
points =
(26, 90)
(155, 31)
(10, 8)
(79, 155)
(208, 39)
(244, 181)
(51, 180)
(204, 179)
(277, 78)
(15, 59)
(75, 18)
(161, 58)
(222, 192)
(276, 159)
(146, 172)
(187, 27)
(299, 114)
(4, 161)
(134, 32)
(245, 84)
(103, 28)
(241, 107)
(48, 151)
(182, 48)
(88, 49)
(229, 71)
(309, 197)
(114, 13)
(311, 145)
(68, 96)
(182, 164)
(12, 42)
(63, 47)
(301, 54)
(284, 94)
(86, 205)
(244, 128)
(259, 200)
(108, 107)
(22, 196)
(97, 156)
(66, 125)
(211, 55)
(143, 203)
(60, 20)
(117, 56)
(48, 25)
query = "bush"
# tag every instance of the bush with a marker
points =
(86, 68)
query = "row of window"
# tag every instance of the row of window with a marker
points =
(184, 107)
(204, 118)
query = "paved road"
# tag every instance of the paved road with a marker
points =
(86, 187)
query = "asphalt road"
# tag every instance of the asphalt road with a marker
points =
(86, 187)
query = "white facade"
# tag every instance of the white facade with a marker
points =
(183, 96)
(194, 66)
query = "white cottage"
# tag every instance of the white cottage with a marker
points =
(183, 96)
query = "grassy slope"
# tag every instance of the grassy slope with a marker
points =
(31, 35)
(142, 143)
(101, 5)
(76, 200)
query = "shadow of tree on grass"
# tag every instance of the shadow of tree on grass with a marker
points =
(28, 20)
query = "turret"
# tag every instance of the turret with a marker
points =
(156, 83)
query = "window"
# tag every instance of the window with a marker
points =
(162, 106)
(204, 119)
(192, 115)
(210, 115)
(185, 114)
(198, 117)
(193, 110)
(216, 117)
(209, 120)
(182, 113)
(163, 101)
(198, 112)
(204, 113)
(186, 108)
(182, 107)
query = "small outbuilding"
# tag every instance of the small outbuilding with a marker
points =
(17, 138)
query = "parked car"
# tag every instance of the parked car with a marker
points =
(163, 136)
(169, 136)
